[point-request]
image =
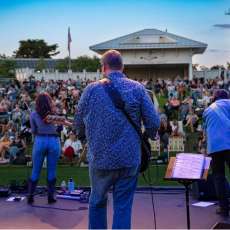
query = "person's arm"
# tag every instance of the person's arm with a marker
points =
(204, 124)
(79, 145)
(66, 144)
(23, 144)
(150, 116)
(81, 110)
(33, 124)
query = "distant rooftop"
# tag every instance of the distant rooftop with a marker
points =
(32, 63)
(150, 39)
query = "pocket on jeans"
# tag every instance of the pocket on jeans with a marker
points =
(56, 144)
(130, 172)
(38, 142)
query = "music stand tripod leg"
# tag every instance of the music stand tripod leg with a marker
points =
(186, 185)
(187, 204)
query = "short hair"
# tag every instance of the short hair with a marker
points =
(221, 94)
(113, 59)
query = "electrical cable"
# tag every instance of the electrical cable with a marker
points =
(152, 199)
(148, 181)
(161, 193)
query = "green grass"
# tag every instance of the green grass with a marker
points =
(80, 175)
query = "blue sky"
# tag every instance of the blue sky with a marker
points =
(95, 21)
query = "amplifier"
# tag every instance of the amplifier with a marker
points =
(4, 192)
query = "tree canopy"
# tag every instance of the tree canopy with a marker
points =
(40, 65)
(35, 48)
(7, 68)
(62, 65)
(228, 65)
(90, 64)
(217, 67)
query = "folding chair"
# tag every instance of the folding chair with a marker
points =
(176, 144)
(155, 146)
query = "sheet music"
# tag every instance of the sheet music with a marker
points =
(189, 166)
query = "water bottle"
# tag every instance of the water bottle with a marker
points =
(63, 186)
(70, 185)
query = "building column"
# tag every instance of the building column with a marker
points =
(190, 72)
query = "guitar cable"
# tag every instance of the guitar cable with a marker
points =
(149, 182)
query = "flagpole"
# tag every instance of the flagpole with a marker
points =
(69, 45)
(69, 60)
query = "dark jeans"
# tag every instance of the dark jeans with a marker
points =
(123, 181)
(218, 169)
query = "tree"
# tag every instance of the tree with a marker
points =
(35, 48)
(90, 64)
(2, 56)
(195, 66)
(228, 65)
(7, 68)
(41, 65)
(203, 67)
(217, 67)
(62, 65)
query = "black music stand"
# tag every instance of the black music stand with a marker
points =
(185, 182)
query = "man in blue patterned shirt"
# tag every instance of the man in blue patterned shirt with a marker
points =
(113, 144)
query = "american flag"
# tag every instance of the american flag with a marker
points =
(69, 39)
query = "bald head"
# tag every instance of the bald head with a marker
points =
(111, 61)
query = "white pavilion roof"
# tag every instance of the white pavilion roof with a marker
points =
(150, 39)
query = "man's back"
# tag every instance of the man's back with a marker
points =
(217, 124)
(112, 141)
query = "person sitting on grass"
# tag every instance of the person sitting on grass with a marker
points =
(4, 145)
(165, 132)
(202, 144)
(72, 147)
(17, 150)
(175, 128)
(192, 120)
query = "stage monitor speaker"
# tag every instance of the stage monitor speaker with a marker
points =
(4, 192)
(221, 225)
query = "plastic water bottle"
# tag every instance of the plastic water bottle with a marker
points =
(70, 185)
(63, 186)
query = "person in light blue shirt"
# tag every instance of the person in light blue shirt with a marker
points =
(114, 150)
(217, 128)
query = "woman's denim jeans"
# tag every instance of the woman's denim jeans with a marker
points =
(123, 182)
(45, 146)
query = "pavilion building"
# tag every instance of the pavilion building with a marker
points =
(154, 54)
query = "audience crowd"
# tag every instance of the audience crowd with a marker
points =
(182, 103)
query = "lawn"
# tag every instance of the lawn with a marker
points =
(80, 175)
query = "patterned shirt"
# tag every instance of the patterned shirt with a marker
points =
(112, 141)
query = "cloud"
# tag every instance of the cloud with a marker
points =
(222, 26)
(218, 51)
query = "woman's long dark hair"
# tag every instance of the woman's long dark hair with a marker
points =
(44, 105)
